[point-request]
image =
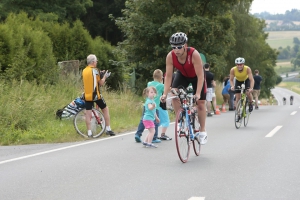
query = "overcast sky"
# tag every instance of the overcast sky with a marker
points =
(274, 6)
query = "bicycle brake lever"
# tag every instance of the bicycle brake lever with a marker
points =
(174, 91)
(182, 91)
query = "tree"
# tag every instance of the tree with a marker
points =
(296, 61)
(296, 40)
(148, 25)
(60, 10)
(97, 20)
(251, 44)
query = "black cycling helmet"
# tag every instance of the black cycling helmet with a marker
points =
(179, 38)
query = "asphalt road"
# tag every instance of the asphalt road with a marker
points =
(260, 161)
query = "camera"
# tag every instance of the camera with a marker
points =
(106, 74)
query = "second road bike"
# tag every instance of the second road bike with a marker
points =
(241, 112)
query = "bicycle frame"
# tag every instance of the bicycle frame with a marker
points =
(243, 100)
(241, 109)
(187, 105)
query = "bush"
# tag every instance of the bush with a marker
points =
(31, 48)
(26, 51)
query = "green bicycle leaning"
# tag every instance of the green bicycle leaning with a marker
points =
(241, 109)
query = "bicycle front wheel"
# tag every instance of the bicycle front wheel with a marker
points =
(238, 114)
(246, 115)
(182, 137)
(196, 127)
(97, 123)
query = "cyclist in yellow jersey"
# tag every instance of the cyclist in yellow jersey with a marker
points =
(92, 81)
(242, 73)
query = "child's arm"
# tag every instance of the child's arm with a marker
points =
(151, 106)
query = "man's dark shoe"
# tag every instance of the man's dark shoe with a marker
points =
(209, 115)
(111, 133)
(137, 138)
(165, 137)
(250, 107)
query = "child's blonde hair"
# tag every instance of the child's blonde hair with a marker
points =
(157, 75)
(147, 89)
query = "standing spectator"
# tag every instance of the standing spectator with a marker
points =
(91, 83)
(256, 89)
(225, 94)
(231, 93)
(210, 84)
(162, 114)
(214, 99)
(232, 97)
(150, 115)
(225, 80)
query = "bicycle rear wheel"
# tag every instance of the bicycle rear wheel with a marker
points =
(247, 115)
(238, 114)
(196, 127)
(182, 137)
(97, 123)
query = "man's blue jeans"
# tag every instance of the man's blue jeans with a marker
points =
(141, 126)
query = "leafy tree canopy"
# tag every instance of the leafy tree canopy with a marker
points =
(47, 9)
(147, 26)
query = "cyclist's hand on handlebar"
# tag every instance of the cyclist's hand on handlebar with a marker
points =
(197, 97)
(163, 98)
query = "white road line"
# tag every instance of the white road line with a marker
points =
(273, 131)
(63, 148)
(293, 112)
(197, 198)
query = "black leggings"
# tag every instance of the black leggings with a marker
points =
(180, 80)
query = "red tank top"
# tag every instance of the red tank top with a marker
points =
(187, 69)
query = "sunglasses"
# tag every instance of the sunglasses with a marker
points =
(177, 47)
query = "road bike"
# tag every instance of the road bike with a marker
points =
(97, 123)
(241, 111)
(187, 126)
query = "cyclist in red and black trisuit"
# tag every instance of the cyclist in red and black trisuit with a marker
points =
(189, 67)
